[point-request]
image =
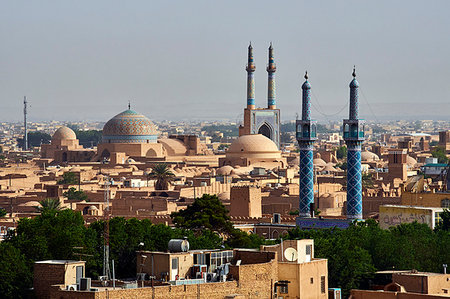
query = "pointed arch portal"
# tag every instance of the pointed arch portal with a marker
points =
(265, 130)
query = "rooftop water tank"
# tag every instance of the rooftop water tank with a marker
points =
(178, 245)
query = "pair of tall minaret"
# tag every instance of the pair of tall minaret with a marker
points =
(271, 90)
(353, 136)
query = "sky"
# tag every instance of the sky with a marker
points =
(185, 60)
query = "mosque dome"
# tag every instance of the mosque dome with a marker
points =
(367, 156)
(64, 133)
(252, 144)
(129, 127)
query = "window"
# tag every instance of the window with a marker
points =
(322, 284)
(445, 203)
(308, 249)
(284, 289)
(312, 280)
(175, 264)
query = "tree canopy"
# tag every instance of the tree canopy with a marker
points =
(439, 152)
(35, 139)
(74, 194)
(163, 175)
(69, 178)
(206, 212)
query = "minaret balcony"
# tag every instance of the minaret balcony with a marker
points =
(353, 129)
(306, 130)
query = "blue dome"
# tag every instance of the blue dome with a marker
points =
(354, 83)
(129, 127)
(306, 85)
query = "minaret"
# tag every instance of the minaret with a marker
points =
(354, 137)
(271, 90)
(25, 134)
(250, 79)
(306, 135)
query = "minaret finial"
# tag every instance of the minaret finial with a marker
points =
(354, 72)
(250, 44)
(306, 75)
(129, 105)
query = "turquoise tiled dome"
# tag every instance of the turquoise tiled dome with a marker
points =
(129, 127)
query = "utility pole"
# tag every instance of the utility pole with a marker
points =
(25, 138)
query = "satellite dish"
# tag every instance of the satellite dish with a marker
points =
(290, 254)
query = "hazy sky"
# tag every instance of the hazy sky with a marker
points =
(83, 60)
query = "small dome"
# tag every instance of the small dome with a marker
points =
(367, 156)
(224, 170)
(129, 127)
(224, 196)
(93, 208)
(306, 85)
(253, 144)
(319, 162)
(354, 83)
(410, 161)
(64, 133)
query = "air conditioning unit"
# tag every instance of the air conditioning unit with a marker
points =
(211, 277)
(334, 293)
(85, 284)
(72, 287)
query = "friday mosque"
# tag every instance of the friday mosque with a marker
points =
(131, 135)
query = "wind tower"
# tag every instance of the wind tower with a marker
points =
(271, 87)
(25, 137)
(354, 137)
(306, 136)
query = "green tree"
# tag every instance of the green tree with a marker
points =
(439, 152)
(74, 194)
(49, 204)
(15, 272)
(69, 178)
(444, 224)
(35, 139)
(163, 175)
(89, 138)
(206, 212)
(367, 180)
(341, 152)
(2, 212)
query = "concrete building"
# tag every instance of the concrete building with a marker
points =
(409, 285)
(393, 215)
(287, 270)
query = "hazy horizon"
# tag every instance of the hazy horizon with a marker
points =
(178, 60)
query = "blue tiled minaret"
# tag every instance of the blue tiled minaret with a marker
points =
(354, 137)
(250, 79)
(271, 90)
(306, 135)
